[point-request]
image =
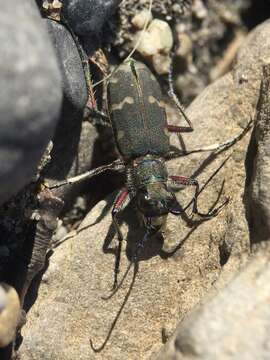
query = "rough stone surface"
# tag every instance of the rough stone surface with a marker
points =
(30, 99)
(70, 310)
(258, 197)
(9, 313)
(233, 325)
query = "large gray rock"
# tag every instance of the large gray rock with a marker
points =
(234, 324)
(30, 94)
(70, 310)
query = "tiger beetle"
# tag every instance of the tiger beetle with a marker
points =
(141, 133)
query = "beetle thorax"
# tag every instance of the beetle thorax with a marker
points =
(148, 170)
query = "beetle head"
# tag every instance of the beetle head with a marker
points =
(154, 202)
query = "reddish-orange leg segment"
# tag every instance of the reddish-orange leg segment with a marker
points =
(179, 129)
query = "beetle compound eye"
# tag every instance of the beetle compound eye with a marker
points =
(151, 207)
(174, 207)
(147, 197)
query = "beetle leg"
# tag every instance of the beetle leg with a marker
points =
(189, 181)
(179, 129)
(120, 204)
(116, 165)
(215, 148)
(96, 117)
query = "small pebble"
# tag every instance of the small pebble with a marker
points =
(161, 33)
(199, 10)
(185, 46)
(156, 44)
(161, 63)
(141, 18)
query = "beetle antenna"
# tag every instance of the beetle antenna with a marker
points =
(104, 297)
(102, 346)
(172, 94)
(134, 260)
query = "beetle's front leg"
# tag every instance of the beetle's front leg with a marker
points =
(116, 165)
(120, 204)
(186, 181)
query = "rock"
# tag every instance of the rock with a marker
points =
(233, 325)
(31, 99)
(155, 45)
(87, 17)
(162, 34)
(9, 314)
(258, 197)
(70, 310)
(74, 140)
(161, 63)
(140, 19)
(73, 78)
(199, 10)
(185, 46)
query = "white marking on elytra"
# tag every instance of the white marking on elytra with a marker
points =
(120, 134)
(153, 100)
(114, 80)
(166, 131)
(119, 106)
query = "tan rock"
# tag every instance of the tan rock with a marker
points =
(185, 45)
(161, 34)
(155, 45)
(233, 325)
(161, 63)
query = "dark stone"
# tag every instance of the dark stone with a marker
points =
(30, 99)
(88, 17)
(66, 142)
(70, 63)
